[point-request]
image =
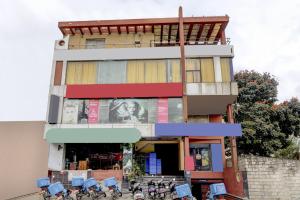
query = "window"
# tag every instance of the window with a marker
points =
(95, 43)
(192, 67)
(199, 70)
(201, 154)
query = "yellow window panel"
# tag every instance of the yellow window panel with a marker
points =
(176, 71)
(151, 71)
(70, 77)
(135, 72)
(161, 71)
(189, 77)
(207, 70)
(78, 73)
(192, 64)
(225, 69)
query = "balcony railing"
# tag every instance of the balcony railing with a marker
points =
(152, 43)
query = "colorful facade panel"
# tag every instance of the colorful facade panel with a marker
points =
(122, 111)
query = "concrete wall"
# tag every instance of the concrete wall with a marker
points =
(270, 178)
(23, 157)
(142, 53)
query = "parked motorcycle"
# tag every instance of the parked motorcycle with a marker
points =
(152, 192)
(43, 184)
(93, 189)
(113, 187)
(137, 192)
(58, 191)
(162, 190)
(78, 188)
(171, 187)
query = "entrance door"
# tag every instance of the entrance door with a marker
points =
(168, 153)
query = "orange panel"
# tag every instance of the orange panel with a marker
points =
(215, 118)
(58, 72)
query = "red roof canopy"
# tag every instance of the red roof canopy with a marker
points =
(165, 30)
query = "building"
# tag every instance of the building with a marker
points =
(23, 157)
(161, 84)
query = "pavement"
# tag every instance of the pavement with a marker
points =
(38, 197)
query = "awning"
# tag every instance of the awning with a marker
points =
(195, 129)
(93, 135)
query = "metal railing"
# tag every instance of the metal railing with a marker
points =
(152, 43)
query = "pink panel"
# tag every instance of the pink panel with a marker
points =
(93, 111)
(162, 110)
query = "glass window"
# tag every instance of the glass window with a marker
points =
(192, 67)
(201, 154)
(111, 72)
(98, 43)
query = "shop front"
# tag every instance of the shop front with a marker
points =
(90, 152)
(160, 157)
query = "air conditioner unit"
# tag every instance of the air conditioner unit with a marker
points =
(63, 43)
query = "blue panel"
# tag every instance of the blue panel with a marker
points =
(152, 163)
(217, 160)
(147, 166)
(158, 166)
(195, 129)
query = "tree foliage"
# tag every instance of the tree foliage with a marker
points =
(267, 127)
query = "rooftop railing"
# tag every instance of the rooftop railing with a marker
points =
(138, 44)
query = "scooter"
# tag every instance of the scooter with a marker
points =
(171, 187)
(113, 188)
(137, 192)
(78, 188)
(43, 184)
(93, 189)
(152, 189)
(162, 191)
(58, 191)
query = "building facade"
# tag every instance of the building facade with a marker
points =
(146, 92)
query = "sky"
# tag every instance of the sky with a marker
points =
(265, 35)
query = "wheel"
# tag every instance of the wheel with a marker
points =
(68, 198)
(120, 194)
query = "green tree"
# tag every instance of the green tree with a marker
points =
(267, 127)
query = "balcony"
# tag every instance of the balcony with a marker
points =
(210, 98)
(142, 52)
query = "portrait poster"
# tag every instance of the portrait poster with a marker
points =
(83, 111)
(128, 111)
(162, 110)
(93, 116)
(70, 112)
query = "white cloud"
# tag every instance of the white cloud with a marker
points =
(265, 35)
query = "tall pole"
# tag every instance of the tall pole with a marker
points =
(232, 139)
(182, 63)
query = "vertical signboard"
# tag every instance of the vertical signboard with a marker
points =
(93, 116)
(162, 110)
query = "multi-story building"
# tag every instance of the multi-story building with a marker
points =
(161, 84)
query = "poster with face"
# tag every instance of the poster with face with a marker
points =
(93, 111)
(70, 112)
(128, 111)
(83, 111)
